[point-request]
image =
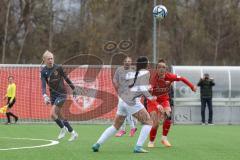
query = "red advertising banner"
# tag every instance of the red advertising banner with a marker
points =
(100, 101)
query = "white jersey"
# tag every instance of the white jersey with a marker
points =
(120, 78)
(140, 88)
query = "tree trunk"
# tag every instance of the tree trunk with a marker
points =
(5, 32)
(50, 40)
(22, 45)
(217, 44)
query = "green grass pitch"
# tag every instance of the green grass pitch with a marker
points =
(189, 142)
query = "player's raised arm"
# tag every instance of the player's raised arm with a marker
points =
(184, 80)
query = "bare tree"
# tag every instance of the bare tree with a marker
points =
(6, 32)
(51, 19)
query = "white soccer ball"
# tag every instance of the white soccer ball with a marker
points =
(160, 12)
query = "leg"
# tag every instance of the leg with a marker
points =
(14, 116)
(65, 122)
(122, 130)
(203, 106)
(166, 123)
(59, 103)
(145, 119)
(8, 118)
(210, 109)
(54, 115)
(131, 122)
(123, 127)
(110, 131)
(9, 113)
(155, 118)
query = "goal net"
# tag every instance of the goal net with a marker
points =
(98, 105)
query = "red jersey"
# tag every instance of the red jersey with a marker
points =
(161, 86)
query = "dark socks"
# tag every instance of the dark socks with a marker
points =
(59, 123)
(8, 117)
(66, 124)
(11, 114)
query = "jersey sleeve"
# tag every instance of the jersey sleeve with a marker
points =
(44, 83)
(175, 77)
(69, 82)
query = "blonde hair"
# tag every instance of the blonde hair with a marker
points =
(45, 54)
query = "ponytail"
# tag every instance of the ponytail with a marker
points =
(142, 63)
(135, 78)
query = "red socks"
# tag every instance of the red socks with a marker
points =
(153, 134)
(166, 127)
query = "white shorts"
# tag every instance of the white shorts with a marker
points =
(124, 109)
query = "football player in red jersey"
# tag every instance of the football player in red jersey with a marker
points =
(161, 82)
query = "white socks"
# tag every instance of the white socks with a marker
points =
(131, 121)
(110, 131)
(143, 134)
(123, 127)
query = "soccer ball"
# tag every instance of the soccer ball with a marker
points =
(160, 12)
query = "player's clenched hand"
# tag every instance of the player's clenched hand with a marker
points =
(46, 99)
(154, 98)
(194, 89)
(78, 91)
(160, 108)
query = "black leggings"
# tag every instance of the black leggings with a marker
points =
(10, 104)
(9, 114)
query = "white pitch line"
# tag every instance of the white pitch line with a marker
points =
(53, 142)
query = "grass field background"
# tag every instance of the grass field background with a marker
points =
(189, 142)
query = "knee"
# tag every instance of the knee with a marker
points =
(54, 116)
(155, 124)
(148, 122)
(168, 116)
(117, 127)
(118, 122)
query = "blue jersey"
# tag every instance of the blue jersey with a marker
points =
(55, 77)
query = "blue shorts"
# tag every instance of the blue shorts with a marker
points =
(58, 100)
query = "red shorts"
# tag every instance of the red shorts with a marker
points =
(165, 104)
